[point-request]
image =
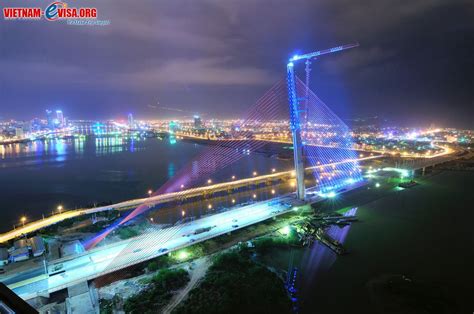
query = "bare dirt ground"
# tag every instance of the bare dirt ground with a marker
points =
(197, 271)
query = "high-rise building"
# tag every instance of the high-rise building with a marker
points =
(197, 122)
(131, 123)
(50, 118)
(19, 133)
(35, 125)
(60, 118)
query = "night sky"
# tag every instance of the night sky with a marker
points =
(414, 65)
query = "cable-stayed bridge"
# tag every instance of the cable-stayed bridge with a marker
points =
(314, 128)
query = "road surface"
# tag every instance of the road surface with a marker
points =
(106, 259)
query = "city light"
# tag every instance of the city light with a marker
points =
(183, 213)
(209, 181)
(273, 191)
(23, 220)
(377, 185)
(150, 192)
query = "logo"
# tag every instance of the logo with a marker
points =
(57, 10)
(60, 10)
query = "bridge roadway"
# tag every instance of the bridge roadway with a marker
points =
(102, 260)
(163, 198)
(105, 259)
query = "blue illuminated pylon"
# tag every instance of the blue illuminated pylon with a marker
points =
(295, 127)
(295, 111)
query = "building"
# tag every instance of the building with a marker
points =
(72, 248)
(37, 246)
(50, 119)
(19, 133)
(18, 244)
(3, 256)
(36, 125)
(173, 127)
(197, 122)
(20, 254)
(60, 118)
(131, 123)
(20, 250)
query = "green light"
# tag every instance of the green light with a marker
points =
(377, 185)
(182, 255)
(285, 230)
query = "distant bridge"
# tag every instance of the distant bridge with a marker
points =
(203, 191)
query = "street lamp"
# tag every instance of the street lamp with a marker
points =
(60, 208)
(209, 181)
(23, 219)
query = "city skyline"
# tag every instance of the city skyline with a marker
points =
(165, 56)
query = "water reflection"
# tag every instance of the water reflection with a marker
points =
(171, 170)
(60, 150)
(320, 258)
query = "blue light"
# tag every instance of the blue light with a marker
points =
(350, 181)
(331, 194)
(295, 57)
(290, 64)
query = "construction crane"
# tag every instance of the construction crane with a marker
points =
(295, 109)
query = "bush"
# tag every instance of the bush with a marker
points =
(153, 266)
(127, 233)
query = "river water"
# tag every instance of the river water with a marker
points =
(38, 176)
